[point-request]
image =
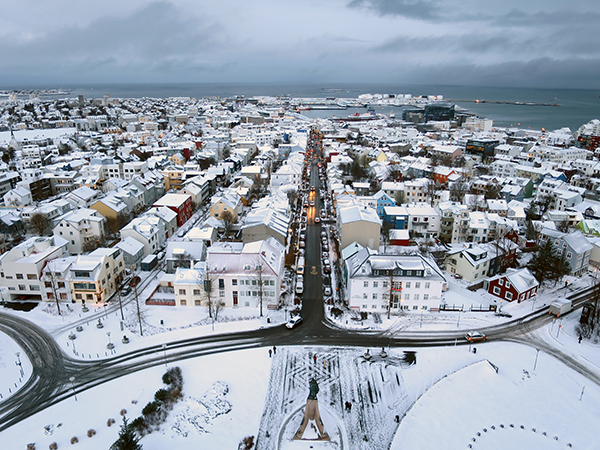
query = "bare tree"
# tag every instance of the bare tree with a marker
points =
(52, 277)
(259, 280)
(207, 281)
(228, 220)
(292, 196)
(40, 223)
(391, 290)
(563, 225)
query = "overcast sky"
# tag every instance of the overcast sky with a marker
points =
(526, 43)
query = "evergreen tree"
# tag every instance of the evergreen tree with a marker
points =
(127, 439)
(547, 264)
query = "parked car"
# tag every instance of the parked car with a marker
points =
(299, 287)
(294, 322)
(475, 336)
(126, 290)
(327, 290)
(327, 269)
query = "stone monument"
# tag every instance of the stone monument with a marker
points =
(311, 413)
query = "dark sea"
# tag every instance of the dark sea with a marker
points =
(577, 106)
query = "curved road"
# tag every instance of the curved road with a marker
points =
(52, 368)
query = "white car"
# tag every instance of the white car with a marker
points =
(327, 290)
(299, 287)
(294, 322)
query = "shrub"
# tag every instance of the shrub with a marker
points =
(337, 312)
(109, 422)
(123, 412)
(150, 408)
(30, 446)
(162, 395)
(91, 432)
(247, 443)
(74, 440)
(53, 446)
(139, 425)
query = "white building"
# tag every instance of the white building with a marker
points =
(80, 227)
(402, 283)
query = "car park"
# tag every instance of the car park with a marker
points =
(294, 322)
(475, 336)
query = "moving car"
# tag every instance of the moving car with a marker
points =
(317, 219)
(475, 336)
(294, 322)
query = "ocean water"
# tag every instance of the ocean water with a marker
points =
(577, 106)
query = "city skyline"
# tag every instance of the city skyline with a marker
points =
(480, 43)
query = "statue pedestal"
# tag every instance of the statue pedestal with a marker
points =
(311, 413)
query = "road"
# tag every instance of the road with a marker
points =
(52, 368)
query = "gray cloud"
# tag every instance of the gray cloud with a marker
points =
(414, 9)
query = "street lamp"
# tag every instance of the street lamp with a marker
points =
(537, 352)
(72, 379)
(19, 363)
(110, 345)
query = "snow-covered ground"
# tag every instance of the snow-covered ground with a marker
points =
(448, 397)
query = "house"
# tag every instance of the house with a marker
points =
(195, 192)
(180, 203)
(226, 202)
(82, 197)
(375, 283)
(238, 275)
(397, 216)
(133, 252)
(261, 223)
(382, 200)
(167, 216)
(515, 284)
(471, 263)
(55, 277)
(149, 230)
(21, 266)
(97, 276)
(82, 228)
(574, 246)
(184, 254)
(18, 196)
(359, 224)
(423, 220)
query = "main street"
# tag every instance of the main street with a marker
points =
(53, 370)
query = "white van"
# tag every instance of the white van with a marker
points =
(300, 265)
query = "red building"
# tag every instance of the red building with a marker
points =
(180, 203)
(515, 284)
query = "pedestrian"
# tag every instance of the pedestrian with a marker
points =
(580, 338)
(315, 358)
(397, 419)
(274, 349)
(349, 406)
(324, 363)
(269, 353)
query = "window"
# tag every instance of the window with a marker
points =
(496, 290)
(427, 285)
(196, 291)
(508, 296)
(181, 291)
(197, 302)
(375, 284)
(183, 302)
(221, 283)
(365, 296)
(416, 296)
(385, 284)
(78, 296)
(373, 306)
(425, 296)
(374, 296)
(366, 284)
(47, 284)
(415, 307)
(406, 296)
(417, 285)
(407, 285)
(63, 296)
(507, 284)
(234, 282)
(569, 255)
(19, 276)
(221, 293)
